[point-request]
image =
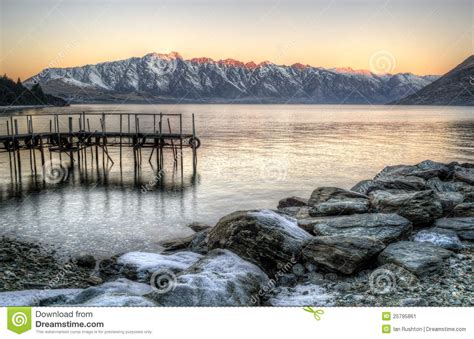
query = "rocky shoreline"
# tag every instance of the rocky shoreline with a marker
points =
(403, 238)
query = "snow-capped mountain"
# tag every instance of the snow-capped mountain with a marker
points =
(168, 77)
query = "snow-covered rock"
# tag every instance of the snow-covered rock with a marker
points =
(266, 238)
(220, 279)
(121, 292)
(142, 264)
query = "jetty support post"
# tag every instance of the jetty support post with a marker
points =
(193, 145)
(71, 155)
(33, 138)
(120, 141)
(17, 149)
(9, 153)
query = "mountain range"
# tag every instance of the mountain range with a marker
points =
(170, 78)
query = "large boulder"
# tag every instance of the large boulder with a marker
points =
(465, 174)
(220, 279)
(386, 227)
(141, 265)
(426, 169)
(345, 254)
(327, 201)
(266, 238)
(421, 208)
(464, 227)
(417, 257)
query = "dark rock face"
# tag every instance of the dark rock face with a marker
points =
(438, 185)
(292, 202)
(465, 174)
(336, 201)
(449, 200)
(465, 209)
(87, 261)
(421, 208)
(198, 226)
(398, 182)
(324, 194)
(464, 227)
(298, 212)
(195, 242)
(384, 227)
(263, 237)
(345, 254)
(220, 279)
(362, 187)
(418, 258)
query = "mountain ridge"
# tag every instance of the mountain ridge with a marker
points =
(455, 88)
(161, 77)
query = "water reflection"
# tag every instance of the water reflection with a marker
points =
(251, 156)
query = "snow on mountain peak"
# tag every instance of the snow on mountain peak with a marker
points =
(350, 70)
(166, 56)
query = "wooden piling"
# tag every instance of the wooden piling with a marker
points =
(18, 149)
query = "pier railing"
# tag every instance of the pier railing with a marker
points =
(79, 136)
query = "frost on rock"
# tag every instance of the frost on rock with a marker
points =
(220, 279)
(122, 292)
(110, 300)
(283, 222)
(442, 238)
(145, 263)
(33, 297)
(301, 295)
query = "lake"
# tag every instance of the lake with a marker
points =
(251, 156)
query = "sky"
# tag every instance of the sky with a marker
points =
(417, 36)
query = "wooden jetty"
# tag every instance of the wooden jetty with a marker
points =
(75, 136)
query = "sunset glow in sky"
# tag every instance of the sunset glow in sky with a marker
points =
(423, 36)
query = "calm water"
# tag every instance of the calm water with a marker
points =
(251, 156)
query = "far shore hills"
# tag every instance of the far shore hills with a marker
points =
(168, 79)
